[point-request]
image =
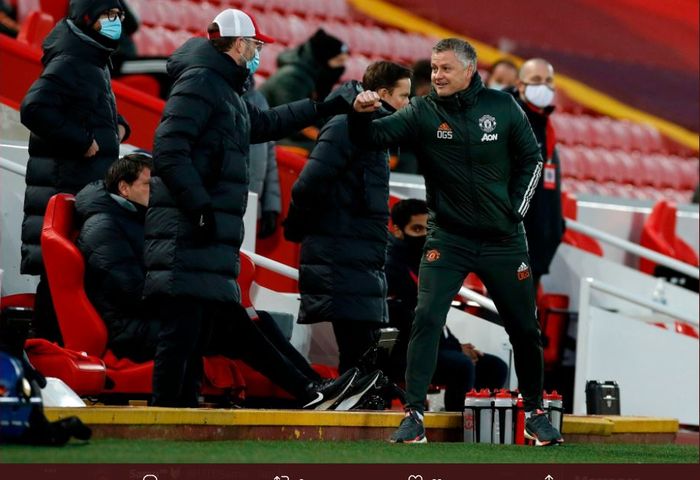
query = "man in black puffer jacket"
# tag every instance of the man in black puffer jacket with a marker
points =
(75, 128)
(340, 207)
(111, 240)
(194, 225)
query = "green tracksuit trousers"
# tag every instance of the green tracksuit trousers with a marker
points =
(504, 267)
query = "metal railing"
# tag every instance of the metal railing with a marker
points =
(13, 167)
(293, 273)
(635, 249)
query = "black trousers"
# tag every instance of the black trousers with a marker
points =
(503, 266)
(44, 321)
(354, 339)
(191, 329)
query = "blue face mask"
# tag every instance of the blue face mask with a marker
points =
(111, 28)
(253, 64)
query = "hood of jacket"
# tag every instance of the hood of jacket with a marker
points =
(95, 198)
(464, 98)
(301, 57)
(67, 39)
(199, 53)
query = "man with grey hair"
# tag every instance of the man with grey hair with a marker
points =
(481, 164)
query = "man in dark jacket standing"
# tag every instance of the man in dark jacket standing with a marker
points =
(75, 128)
(111, 239)
(342, 198)
(544, 222)
(481, 164)
(194, 226)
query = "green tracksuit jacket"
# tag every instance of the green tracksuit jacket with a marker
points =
(478, 154)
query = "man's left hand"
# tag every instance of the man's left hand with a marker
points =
(122, 132)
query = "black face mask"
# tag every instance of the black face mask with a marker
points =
(415, 247)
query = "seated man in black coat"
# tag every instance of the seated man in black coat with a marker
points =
(460, 367)
(112, 241)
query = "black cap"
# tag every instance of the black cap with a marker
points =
(84, 13)
(325, 47)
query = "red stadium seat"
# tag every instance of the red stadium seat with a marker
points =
(568, 162)
(659, 234)
(554, 320)
(35, 28)
(81, 326)
(576, 239)
(56, 8)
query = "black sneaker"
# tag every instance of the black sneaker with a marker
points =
(358, 388)
(327, 393)
(540, 429)
(411, 429)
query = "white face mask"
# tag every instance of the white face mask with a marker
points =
(496, 86)
(540, 96)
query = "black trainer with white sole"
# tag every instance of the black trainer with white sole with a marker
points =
(356, 391)
(411, 429)
(328, 393)
(540, 429)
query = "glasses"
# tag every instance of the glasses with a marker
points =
(258, 44)
(112, 15)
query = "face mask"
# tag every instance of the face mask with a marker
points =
(253, 64)
(111, 28)
(415, 246)
(496, 86)
(540, 96)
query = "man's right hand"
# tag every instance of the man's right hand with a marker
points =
(366, 102)
(92, 151)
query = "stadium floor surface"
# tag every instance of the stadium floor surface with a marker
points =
(361, 451)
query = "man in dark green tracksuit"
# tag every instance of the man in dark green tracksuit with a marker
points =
(481, 164)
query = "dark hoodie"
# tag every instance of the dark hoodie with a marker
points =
(68, 106)
(111, 241)
(200, 158)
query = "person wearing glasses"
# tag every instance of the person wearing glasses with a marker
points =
(544, 222)
(75, 127)
(194, 224)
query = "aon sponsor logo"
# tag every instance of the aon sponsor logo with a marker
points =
(489, 137)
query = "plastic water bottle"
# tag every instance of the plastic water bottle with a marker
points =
(484, 422)
(503, 417)
(554, 406)
(469, 417)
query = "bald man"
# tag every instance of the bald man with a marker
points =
(544, 222)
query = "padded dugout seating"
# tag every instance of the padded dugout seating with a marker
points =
(81, 326)
(83, 373)
(35, 28)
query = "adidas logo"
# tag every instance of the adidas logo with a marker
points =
(444, 132)
(523, 271)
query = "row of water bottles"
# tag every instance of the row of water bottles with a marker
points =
(498, 416)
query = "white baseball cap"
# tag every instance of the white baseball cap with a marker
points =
(237, 23)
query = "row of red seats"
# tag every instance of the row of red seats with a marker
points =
(610, 189)
(606, 132)
(618, 166)
(288, 29)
